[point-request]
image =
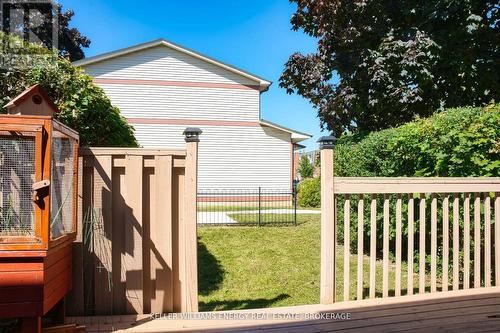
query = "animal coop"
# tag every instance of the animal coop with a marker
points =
(38, 180)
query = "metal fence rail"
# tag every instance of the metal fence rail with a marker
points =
(247, 207)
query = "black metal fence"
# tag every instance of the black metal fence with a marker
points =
(257, 207)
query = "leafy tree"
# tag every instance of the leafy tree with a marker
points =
(394, 60)
(83, 105)
(70, 40)
(306, 169)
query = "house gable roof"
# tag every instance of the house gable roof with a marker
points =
(264, 84)
(295, 135)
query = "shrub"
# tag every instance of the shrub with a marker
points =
(84, 106)
(461, 142)
(309, 193)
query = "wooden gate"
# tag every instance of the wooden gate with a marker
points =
(136, 250)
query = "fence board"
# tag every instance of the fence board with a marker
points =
(456, 281)
(118, 248)
(347, 241)
(411, 226)
(487, 241)
(373, 244)
(446, 242)
(497, 239)
(133, 234)
(361, 223)
(161, 237)
(421, 255)
(385, 249)
(466, 282)
(399, 233)
(103, 234)
(477, 240)
(177, 249)
(433, 242)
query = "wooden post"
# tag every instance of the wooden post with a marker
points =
(328, 232)
(190, 279)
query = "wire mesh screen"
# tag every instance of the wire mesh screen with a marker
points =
(61, 211)
(17, 175)
(246, 207)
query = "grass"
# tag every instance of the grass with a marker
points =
(251, 267)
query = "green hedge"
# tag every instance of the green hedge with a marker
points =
(461, 142)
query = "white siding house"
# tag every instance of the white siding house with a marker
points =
(162, 88)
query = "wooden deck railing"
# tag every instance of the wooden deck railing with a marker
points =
(400, 235)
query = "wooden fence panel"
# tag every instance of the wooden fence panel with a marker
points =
(133, 256)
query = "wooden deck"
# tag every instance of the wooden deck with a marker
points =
(476, 310)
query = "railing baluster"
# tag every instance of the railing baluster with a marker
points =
(477, 240)
(410, 243)
(433, 242)
(466, 241)
(421, 268)
(360, 246)
(446, 243)
(497, 239)
(487, 241)
(347, 241)
(398, 245)
(373, 243)
(456, 281)
(385, 249)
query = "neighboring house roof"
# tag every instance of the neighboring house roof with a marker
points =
(296, 135)
(264, 84)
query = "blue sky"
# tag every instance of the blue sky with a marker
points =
(253, 35)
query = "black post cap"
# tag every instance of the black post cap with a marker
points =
(327, 142)
(192, 134)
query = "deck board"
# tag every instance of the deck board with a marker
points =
(476, 310)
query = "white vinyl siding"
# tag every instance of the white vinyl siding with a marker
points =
(163, 63)
(166, 102)
(230, 157)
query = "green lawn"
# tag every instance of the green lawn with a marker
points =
(252, 267)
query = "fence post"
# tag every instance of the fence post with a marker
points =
(328, 230)
(258, 221)
(189, 280)
(294, 195)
